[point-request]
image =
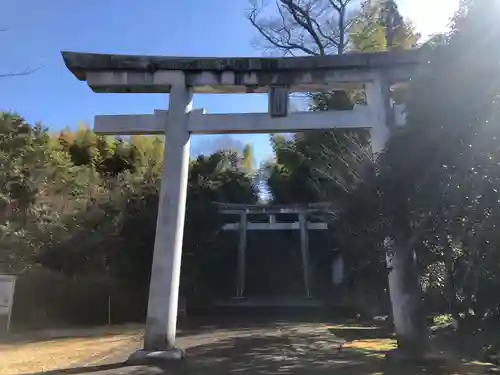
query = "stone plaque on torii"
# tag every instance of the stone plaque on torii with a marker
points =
(181, 77)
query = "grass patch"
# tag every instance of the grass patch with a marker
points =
(374, 345)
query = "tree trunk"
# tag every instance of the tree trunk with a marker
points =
(404, 289)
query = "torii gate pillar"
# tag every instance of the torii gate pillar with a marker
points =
(165, 273)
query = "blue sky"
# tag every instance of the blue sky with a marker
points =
(161, 27)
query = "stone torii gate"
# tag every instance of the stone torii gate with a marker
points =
(245, 224)
(181, 77)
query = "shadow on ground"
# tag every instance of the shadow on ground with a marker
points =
(249, 323)
(287, 350)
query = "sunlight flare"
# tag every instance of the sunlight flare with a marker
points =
(430, 16)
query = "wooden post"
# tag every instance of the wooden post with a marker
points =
(304, 248)
(242, 246)
(11, 305)
(109, 310)
(338, 270)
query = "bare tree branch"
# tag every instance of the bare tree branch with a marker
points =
(279, 33)
(303, 17)
(24, 72)
(311, 27)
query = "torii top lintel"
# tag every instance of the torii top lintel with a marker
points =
(136, 73)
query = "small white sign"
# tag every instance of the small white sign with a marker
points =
(7, 286)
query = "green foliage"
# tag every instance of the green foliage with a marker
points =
(85, 206)
(247, 159)
(109, 156)
(453, 128)
(380, 27)
(442, 320)
(436, 187)
(31, 172)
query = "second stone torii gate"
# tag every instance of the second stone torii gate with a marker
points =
(303, 225)
(181, 77)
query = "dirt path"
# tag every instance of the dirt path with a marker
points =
(281, 348)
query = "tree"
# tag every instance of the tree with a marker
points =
(84, 207)
(31, 173)
(380, 27)
(109, 155)
(435, 192)
(287, 177)
(458, 143)
(359, 28)
(247, 159)
(116, 231)
(345, 160)
(311, 27)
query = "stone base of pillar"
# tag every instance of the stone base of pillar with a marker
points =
(156, 358)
